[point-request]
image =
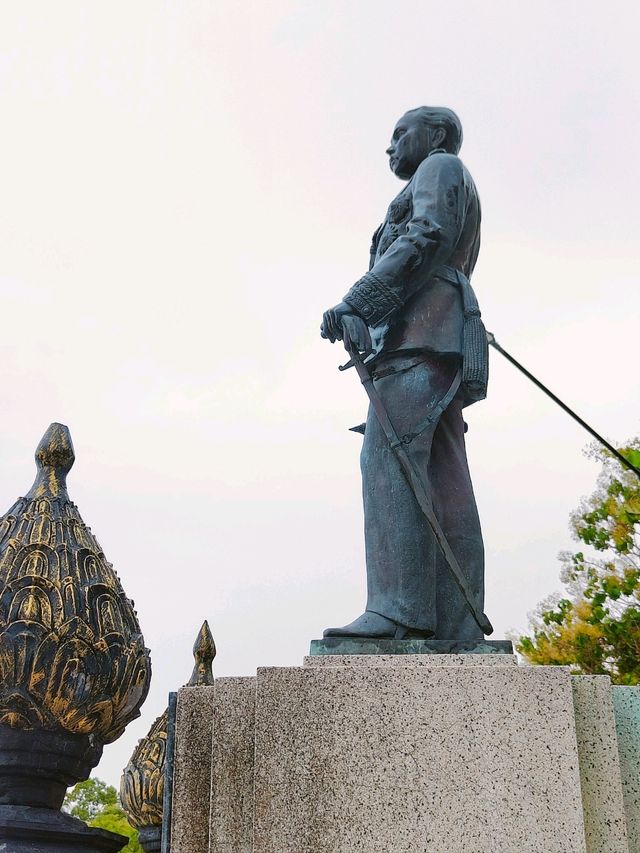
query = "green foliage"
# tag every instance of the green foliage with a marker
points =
(595, 627)
(115, 820)
(86, 799)
(96, 803)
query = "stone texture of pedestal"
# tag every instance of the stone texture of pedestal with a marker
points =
(192, 770)
(411, 759)
(626, 703)
(439, 753)
(600, 779)
(212, 797)
(232, 766)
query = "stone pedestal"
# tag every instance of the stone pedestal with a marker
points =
(416, 759)
(600, 777)
(626, 703)
(189, 826)
(450, 753)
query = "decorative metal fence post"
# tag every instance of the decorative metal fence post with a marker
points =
(74, 670)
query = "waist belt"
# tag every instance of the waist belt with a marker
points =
(475, 350)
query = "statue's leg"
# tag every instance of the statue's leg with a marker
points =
(455, 506)
(400, 548)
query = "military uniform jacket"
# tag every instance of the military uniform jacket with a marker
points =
(433, 222)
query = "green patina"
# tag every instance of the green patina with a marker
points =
(368, 646)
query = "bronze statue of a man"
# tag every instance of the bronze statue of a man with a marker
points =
(416, 311)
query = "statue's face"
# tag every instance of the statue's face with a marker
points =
(411, 142)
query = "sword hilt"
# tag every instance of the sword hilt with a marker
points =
(354, 352)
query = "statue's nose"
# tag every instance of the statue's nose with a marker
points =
(390, 150)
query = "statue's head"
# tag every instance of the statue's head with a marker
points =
(418, 133)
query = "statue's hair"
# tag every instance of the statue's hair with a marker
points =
(445, 118)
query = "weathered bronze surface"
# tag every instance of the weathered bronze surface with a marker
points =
(142, 783)
(73, 666)
(204, 651)
(416, 646)
(415, 318)
(72, 656)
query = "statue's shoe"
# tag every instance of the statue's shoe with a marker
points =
(375, 626)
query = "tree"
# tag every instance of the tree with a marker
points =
(115, 820)
(86, 799)
(595, 627)
(96, 803)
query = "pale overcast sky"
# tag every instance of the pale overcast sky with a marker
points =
(186, 186)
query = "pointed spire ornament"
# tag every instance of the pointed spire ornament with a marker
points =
(142, 782)
(72, 656)
(74, 669)
(204, 651)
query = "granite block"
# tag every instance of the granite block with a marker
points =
(412, 759)
(626, 704)
(231, 829)
(601, 783)
(192, 770)
(359, 646)
(410, 660)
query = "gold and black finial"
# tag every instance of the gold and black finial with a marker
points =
(204, 651)
(142, 782)
(54, 459)
(72, 656)
(74, 670)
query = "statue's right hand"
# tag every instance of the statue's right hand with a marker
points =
(357, 331)
(331, 327)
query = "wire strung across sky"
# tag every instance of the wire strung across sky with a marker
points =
(622, 459)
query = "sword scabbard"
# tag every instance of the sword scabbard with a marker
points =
(416, 484)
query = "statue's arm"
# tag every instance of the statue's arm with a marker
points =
(374, 245)
(438, 195)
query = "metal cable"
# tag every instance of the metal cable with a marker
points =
(491, 339)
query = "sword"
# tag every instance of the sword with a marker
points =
(415, 481)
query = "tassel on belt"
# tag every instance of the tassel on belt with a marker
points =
(475, 350)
